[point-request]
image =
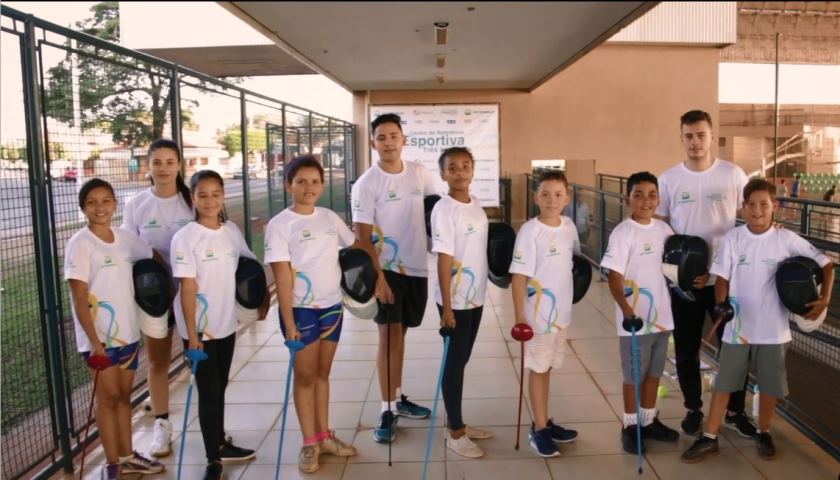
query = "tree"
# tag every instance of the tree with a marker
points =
(129, 99)
(232, 140)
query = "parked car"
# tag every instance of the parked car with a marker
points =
(70, 174)
(237, 173)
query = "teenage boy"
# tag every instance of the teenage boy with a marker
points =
(755, 339)
(700, 197)
(634, 259)
(388, 218)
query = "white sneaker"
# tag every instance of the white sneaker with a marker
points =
(162, 441)
(464, 446)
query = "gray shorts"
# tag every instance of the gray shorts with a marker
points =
(767, 362)
(653, 351)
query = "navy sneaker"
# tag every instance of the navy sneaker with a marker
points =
(542, 444)
(560, 434)
(629, 440)
(703, 447)
(410, 409)
(741, 423)
(766, 449)
(386, 431)
(659, 431)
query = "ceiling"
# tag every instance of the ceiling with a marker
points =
(234, 61)
(391, 45)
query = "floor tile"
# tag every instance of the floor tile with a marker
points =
(729, 464)
(613, 467)
(487, 468)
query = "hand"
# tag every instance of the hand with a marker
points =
(447, 318)
(262, 312)
(383, 292)
(817, 307)
(195, 344)
(627, 311)
(98, 350)
(632, 324)
(292, 333)
(700, 281)
(723, 312)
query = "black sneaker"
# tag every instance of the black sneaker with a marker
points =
(691, 422)
(231, 453)
(766, 449)
(560, 434)
(702, 448)
(386, 431)
(213, 471)
(409, 409)
(741, 423)
(542, 444)
(628, 440)
(659, 431)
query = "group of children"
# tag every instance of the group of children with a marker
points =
(186, 228)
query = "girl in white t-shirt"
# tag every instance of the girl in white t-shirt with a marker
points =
(155, 214)
(204, 256)
(98, 263)
(301, 245)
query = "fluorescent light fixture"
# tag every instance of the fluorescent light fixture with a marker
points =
(441, 60)
(440, 32)
(440, 78)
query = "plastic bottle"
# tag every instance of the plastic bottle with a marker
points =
(756, 403)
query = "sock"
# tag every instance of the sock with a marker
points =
(648, 414)
(386, 406)
(763, 431)
(709, 435)
(629, 419)
(399, 393)
(311, 440)
(125, 458)
(322, 436)
(164, 416)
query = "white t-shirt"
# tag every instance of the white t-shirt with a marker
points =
(544, 255)
(460, 230)
(704, 204)
(748, 261)
(210, 257)
(393, 204)
(635, 252)
(156, 219)
(311, 244)
(107, 270)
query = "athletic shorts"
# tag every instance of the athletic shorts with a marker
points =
(767, 362)
(545, 351)
(124, 357)
(653, 351)
(316, 323)
(410, 295)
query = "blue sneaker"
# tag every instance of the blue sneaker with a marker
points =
(410, 409)
(560, 434)
(386, 431)
(542, 444)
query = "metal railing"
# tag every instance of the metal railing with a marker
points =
(813, 358)
(65, 132)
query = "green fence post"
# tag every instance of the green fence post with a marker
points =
(246, 194)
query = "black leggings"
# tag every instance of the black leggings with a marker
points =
(211, 378)
(688, 335)
(460, 349)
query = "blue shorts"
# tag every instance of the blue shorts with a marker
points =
(317, 323)
(124, 357)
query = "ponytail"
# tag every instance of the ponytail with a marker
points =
(184, 190)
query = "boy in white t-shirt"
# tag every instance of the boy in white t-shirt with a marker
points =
(756, 337)
(542, 297)
(459, 242)
(634, 258)
(389, 221)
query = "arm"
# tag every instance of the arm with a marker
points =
(285, 283)
(79, 292)
(444, 271)
(821, 303)
(519, 287)
(616, 283)
(364, 231)
(189, 290)
(721, 290)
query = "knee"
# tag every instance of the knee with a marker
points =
(304, 379)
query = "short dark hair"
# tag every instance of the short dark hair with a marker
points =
(641, 177)
(695, 116)
(454, 151)
(303, 161)
(89, 186)
(759, 185)
(385, 118)
(205, 175)
(552, 175)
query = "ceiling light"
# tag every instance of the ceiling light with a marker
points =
(441, 60)
(440, 78)
(440, 32)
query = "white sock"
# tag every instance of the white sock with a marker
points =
(709, 435)
(125, 458)
(385, 407)
(629, 419)
(399, 392)
(648, 414)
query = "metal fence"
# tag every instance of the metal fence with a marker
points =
(813, 359)
(63, 132)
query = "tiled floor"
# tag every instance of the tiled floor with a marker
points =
(585, 394)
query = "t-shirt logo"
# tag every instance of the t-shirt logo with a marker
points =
(392, 196)
(470, 229)
(686, 198)
(108, 261)
(742, 260)
(552, 250)
(153, 223)
(179, 258)
(647, 249)
(716, 197)
(306, 235)
(517, 256)
(209, 255)
(417, 192)
(770, 262)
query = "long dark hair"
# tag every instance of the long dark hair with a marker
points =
(205, 175)
(179, 180)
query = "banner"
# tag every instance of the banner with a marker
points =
(429, 129)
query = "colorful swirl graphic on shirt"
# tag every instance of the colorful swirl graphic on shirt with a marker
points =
(536, 291)
(113, 329)
(459, 271)
(380, 241)
(203, 318)
(632, 291)
(308, 298)
(737, 324)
